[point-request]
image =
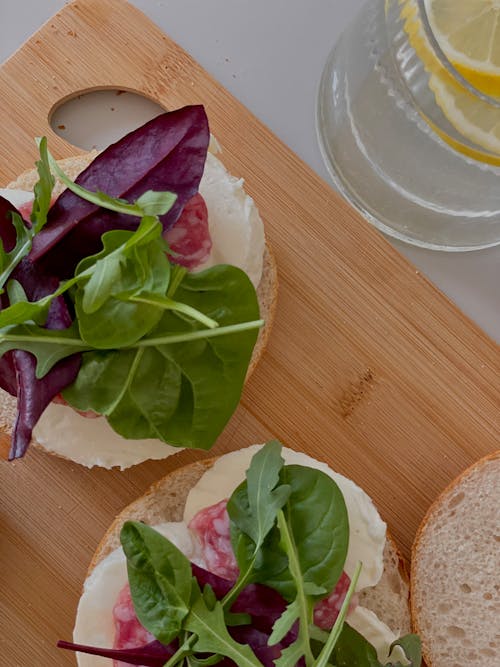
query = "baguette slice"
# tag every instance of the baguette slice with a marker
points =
(165, 501)
(455, 573)
(267, 294)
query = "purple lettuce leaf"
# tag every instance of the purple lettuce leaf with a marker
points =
(154, 654)
(219, 585)
(33, 395)
(166, 154)
(7, 230)
(17, 368)
(8, 236)
(264, 604)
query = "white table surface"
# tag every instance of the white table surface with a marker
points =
(269, 54)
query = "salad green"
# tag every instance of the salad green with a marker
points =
(164, 352)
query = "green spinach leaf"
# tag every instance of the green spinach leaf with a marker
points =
(412, 648)
(317, 521)
(160, 580)
(353, 649)
(172, 391)
(314, 530)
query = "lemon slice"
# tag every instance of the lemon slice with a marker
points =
(476, 121)
(468, 31)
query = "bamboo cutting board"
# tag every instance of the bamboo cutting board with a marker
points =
(369, 366)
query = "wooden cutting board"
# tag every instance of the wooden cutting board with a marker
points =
(369, 366)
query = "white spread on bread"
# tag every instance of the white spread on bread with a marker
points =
(238, 238)
(94, 622)
(377, 633)
(16, 197)
(92, 442)
(234, 222)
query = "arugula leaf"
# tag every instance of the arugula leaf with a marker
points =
(166, 303)
(290, 656)
(21, 310)
(301, 608)
(160, 580)
(128, 263)
(252, 510)
(255, 513)
(43, 189)
(9, 260)
(314, 531)
(284, 623)
(212, 635)
(48, 345)
(322, 660)
(24, 234)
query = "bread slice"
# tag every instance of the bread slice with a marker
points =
(455, 573)
(267, 294)
(165, 501)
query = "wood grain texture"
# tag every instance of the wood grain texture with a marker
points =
(369, 367)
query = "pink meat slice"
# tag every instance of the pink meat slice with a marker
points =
(25, 210)
(211, 526)
(129, 633)
(190, 237)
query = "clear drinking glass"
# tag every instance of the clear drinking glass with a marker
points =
(406, 138)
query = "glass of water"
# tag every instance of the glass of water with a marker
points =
(409, 122)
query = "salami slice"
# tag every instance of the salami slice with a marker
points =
(190, 237)
(129, 633)
(211, 526)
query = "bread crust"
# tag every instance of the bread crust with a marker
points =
(417, 547)
(165, 500)
(267, 295)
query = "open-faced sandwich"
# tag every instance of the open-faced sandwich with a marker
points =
(134, 294)
(263, 556)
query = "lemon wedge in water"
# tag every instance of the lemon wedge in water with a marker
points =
(468, 32)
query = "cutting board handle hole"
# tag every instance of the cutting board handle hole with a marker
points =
(97, 118)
